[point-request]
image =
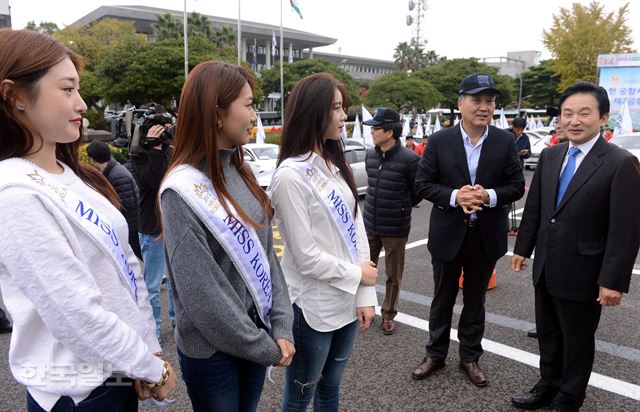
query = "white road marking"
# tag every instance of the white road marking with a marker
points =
(597, 380)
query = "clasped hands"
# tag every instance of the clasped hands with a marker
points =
(472, 198)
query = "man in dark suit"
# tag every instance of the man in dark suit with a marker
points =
(583, 216)
(471, 173)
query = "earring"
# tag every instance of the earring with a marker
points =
(219, 125)
(20, 108)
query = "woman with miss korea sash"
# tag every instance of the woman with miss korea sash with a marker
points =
(326, 260)
(83, 333)
(233, 313)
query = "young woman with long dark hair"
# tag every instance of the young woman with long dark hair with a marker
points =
(233, 312)
(326, 259)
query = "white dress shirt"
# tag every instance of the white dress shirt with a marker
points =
(321, 277)
(584, 148)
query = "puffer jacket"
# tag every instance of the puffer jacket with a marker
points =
(391, 193)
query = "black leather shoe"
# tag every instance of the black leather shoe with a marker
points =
(565, 405)
(539, 397)
(532, 333)
(427, 368)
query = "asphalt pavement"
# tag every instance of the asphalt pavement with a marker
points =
(378, 377)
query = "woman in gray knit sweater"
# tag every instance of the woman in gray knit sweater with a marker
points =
(233, 313)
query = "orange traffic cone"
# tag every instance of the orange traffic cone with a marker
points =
(492, 280)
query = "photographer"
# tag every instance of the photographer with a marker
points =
(150, 165)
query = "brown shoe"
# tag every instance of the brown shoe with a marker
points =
(427, 368)
(388, 326)
(474, 373)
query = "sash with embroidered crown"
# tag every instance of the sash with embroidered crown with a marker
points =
(21, 173)
(238, 239)
(333, 200)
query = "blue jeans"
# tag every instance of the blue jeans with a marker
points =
(154, 268)
(222, 383)
(114, 398)
(318, 365)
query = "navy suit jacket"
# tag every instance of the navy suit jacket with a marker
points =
(443, 168)
(591, 239)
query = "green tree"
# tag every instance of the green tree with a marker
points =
(93, 43)
(411, 57)
(293, 72)
(224, 36)
(579, 34)
(152, 71)
(198, 24)
(401, 90)
(541, 84)
(446, 76)
(167, 27)
(45, 27)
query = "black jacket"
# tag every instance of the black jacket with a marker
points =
(591, 239)
(391, 194)
(127, 190)
(443, 168)
(150, 166)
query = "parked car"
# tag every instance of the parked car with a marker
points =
(262, 159)
(630, 141)
(355, 157)
(538, 139)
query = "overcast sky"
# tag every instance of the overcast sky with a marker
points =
(371, 28)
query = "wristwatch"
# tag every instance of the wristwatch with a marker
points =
(165, 376)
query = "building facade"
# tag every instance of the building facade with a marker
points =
(5, 14)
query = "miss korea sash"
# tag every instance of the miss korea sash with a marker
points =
(238, 239)
(16, 172)
(331, 197)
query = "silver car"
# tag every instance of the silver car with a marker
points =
(355, 157)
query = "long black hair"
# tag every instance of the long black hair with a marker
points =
(307, 121)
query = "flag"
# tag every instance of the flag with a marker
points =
(366, 130)
(456, 120)
(406, 128)
(273, 43)
(296, 7)
(357, 134)
(553, 122)
(539, 124)
(260, 134)
(436, 125)
(623, 123)
(419, 133)
(531, 124)
(503, 124)
(344, 133)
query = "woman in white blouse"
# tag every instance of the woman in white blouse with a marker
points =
(326, 260)
(83, 334)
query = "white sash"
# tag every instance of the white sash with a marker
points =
(238, 239)
(331, 197)
(19, 172)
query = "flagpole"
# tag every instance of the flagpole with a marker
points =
(186, 42)
(281, 70)
(239, 34)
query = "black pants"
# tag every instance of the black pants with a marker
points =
(477, 272)
(566, 335)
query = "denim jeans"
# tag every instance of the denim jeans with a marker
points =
(318, 365)
(222, 383)
(114, 398)
(154, 268)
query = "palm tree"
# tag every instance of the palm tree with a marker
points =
(198, 24)
(167, 27)
(403, 56)
(224, 36)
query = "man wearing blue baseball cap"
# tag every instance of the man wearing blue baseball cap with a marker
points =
(471, 173)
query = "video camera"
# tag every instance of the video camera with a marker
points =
(129, 127)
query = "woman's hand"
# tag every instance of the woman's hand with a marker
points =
(365, 316)
(287, 349)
